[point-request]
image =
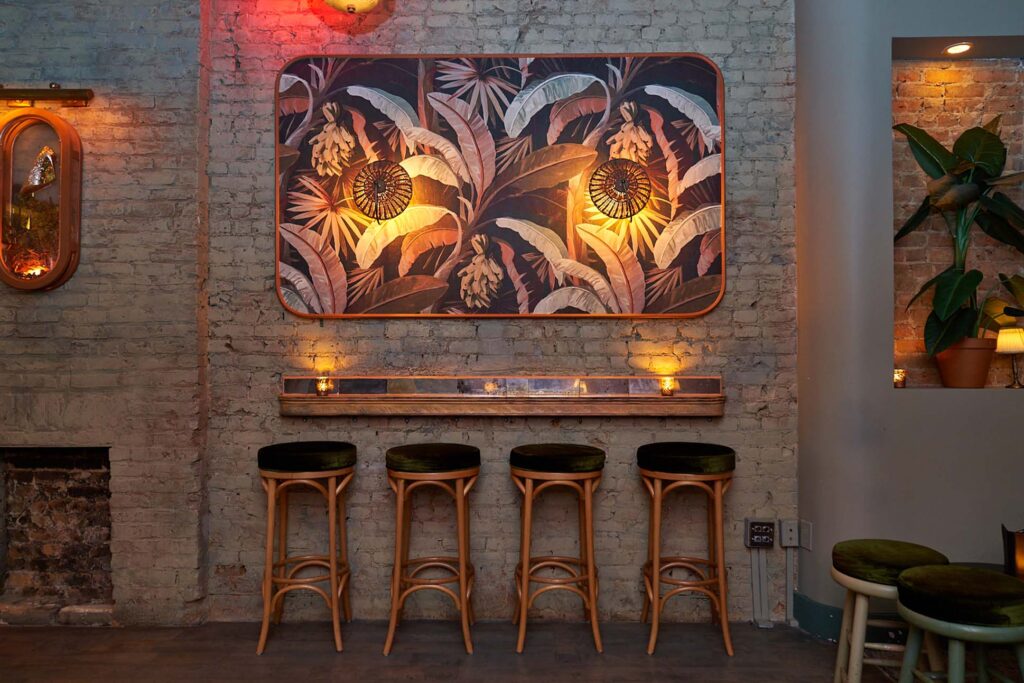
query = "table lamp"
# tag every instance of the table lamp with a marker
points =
(1011, 341)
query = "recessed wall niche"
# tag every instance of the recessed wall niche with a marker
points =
(40, 199)
(945, 96)
(500, 185)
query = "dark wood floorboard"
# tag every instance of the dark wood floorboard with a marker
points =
(424, 651)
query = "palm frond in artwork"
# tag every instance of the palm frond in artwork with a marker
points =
(361, 281)
(542, 268)
(324, 208)
(512, 150)
(661, 281)
(480, 82)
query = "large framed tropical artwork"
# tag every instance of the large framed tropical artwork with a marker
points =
(500, 186)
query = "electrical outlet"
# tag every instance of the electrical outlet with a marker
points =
(789, 533)
(759, 533)
(806, 529)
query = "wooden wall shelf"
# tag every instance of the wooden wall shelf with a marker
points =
(503, 397)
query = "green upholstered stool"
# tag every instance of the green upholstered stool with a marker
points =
(966, 605)
(557, 457)
(667, 466)
(432, 457)
(453, 468)
(327, 467)
(686, 457)
(868, 568)
(537, 467)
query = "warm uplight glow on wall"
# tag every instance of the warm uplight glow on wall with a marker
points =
(353, 6)
(899, 378)
(324, 386)
(957, 48)
(668, 385)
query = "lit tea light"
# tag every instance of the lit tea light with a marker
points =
(899, 378)
(324, 386)
(668, 386)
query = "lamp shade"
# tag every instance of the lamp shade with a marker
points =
(1011, 340)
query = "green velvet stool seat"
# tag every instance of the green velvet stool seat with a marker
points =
(453, 468)
(705, 468)
(326, 467)
(535, 468)
(868, 568)
(966, 605)
(432, 457)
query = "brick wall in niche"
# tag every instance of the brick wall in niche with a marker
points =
(944, 98)
(750, 337)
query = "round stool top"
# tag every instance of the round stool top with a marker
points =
(306, 456)
(963, 595)
(432, 458)
(557, 457)
(881, 561)
(686, 457)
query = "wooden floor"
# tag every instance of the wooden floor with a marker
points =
(424, 651)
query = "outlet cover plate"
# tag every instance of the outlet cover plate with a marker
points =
(759, 533)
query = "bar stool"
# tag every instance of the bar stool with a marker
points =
(541, 466)
(665, 467)
(868, 568)
(453, 468)
(327, 467)
(966, 605)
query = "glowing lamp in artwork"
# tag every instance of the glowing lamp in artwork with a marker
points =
(353, 6)
(899, 378)
(324, 386)
(620, 188)
(1011, 342)
(668, 385)
(382, 190)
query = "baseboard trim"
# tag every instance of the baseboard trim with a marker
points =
(824, 621)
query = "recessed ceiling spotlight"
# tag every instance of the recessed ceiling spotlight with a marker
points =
(957, 48)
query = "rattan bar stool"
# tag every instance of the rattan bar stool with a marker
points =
(538, 467)
(868, 568)
(327, 467)
(665, 467)
(454, 469)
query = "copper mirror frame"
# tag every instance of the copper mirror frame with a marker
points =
(60, 266)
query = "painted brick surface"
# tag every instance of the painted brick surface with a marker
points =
(945, 99)
(750, 338)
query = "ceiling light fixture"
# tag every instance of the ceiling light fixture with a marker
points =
(957, 48)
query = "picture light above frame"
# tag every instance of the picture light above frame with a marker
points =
(500, 185)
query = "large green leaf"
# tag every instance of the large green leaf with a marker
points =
(915, 221)
(1008, 179)
(934, 159)
(1003, 206)
(926, 286)
(982, 147)
(939, 335)
(998, 311)
(999, 229)
(953, 289)
(1014, 285)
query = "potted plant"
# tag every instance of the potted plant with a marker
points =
(965, 189)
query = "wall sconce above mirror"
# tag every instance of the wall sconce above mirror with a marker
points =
(40, 199)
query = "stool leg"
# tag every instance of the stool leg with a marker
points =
(469, 564)
(406, 535)
(282, 549)
(934, 652)
(957, 661)
(346, 604)
(268, 566)
(1019, 649)
(843, 655)
(583, 548)
(982, 664)
(524, 559)
(655, 554)
(650, 548)
(396, 574)
(711, 556)
(858, 632)
(332, 555)
(910, 654)
(592, 564)
(720, 570)
(460, 512)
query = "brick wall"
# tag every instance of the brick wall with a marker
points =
(750, 338)
(110, 358)
(945, 98)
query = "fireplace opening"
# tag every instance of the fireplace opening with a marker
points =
(55, 539)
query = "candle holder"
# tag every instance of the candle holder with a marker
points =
(668, 386)
(899, 378)
(324, 386)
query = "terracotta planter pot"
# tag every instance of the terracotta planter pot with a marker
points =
(965, 365)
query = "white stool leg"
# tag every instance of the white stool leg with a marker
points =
(843, 655)
(859, 629)
(957, 661)
(911, 654)
(1020, 659)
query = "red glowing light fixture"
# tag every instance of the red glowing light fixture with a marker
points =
(353, 6)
